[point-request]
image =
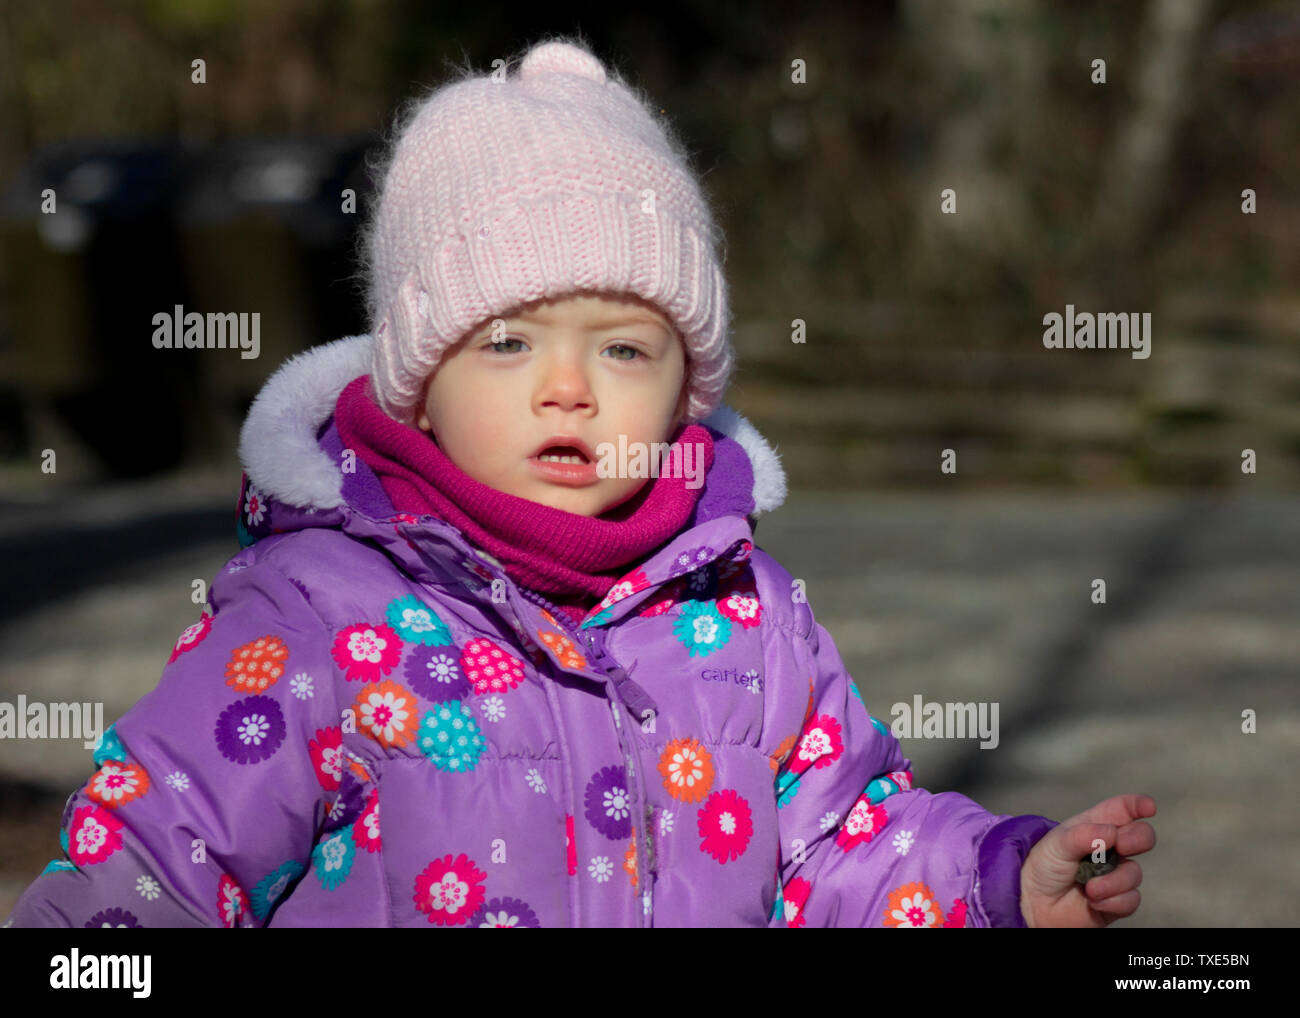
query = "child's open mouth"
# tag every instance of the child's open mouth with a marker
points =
(565, 464)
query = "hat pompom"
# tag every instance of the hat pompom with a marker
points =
(564, 58)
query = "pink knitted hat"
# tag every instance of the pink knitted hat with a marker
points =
(506, 189)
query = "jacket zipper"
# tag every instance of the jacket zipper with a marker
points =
(596, 648)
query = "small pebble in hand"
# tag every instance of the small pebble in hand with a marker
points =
(1089, 869)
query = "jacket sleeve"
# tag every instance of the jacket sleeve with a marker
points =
(208, 793)
(861, 845)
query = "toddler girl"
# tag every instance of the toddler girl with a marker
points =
(473, 666)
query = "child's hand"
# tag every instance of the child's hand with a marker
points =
(1049, 895)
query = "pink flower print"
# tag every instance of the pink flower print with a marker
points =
(232, 905)
(365, 831)
(726, 824)
(367, 651)
(450, 891)
(626, 587)
(903, 779)
(571, 849)
(820, 745)
(327, 757)
(795, 897)
(862, 824)
(489, 668)
(956, 915)
(93, 836)
(741, 606)
(191, 637)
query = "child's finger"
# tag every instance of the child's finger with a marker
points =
(1120, 905)
(1118, 809)
(1135, 838)
(1126, 877)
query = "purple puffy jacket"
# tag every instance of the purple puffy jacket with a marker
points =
(372, 725)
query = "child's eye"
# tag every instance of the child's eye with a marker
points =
(501, 342)
(623, 346)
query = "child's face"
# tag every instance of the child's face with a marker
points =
(559, 367)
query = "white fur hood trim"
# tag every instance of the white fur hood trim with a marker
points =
(279, 452)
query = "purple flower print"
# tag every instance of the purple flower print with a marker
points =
(690, 559)
(250, 730)
(504, 913)
(113, 917)
(349, 804)
(434, 673)
(609, 803)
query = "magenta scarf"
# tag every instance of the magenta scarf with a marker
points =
(543, 548)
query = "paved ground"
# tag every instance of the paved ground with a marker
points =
(955, 598)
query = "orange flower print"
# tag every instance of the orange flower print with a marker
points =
(912, 906)
(563, 648)
(256, 666)
(549, 617)
(629, 859)
(387, 713)
(782, 751)
(117, 782)
(687, 768)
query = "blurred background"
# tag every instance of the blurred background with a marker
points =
(923, 333)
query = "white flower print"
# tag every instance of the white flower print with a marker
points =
(830, 820)
(706, 629)
(600, 869)
(666, 821)
(815, 745)
(617, 803)
(303, 686)
(494, 708)
(331, 762)
(499, 920)
(442, 668)
(334, 852)
(752, 681)
(254, 505)
(417, 620)
(253, 729)
(179, 780)
(903, 842)
(645, 902)
(276, 889)
(449, 893)
(91, 835)
(148, 887)
(366, 645)
(536, 781)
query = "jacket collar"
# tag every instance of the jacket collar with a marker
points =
(280, 450)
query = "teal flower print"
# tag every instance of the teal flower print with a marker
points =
(416, 622)
(450, 737)
(272, 886)
(879, 790)
(701, 628)
(787, 787)
(599, 619)
(333, 858)
(110, 747)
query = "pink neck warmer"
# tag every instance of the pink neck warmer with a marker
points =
(545, 549)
